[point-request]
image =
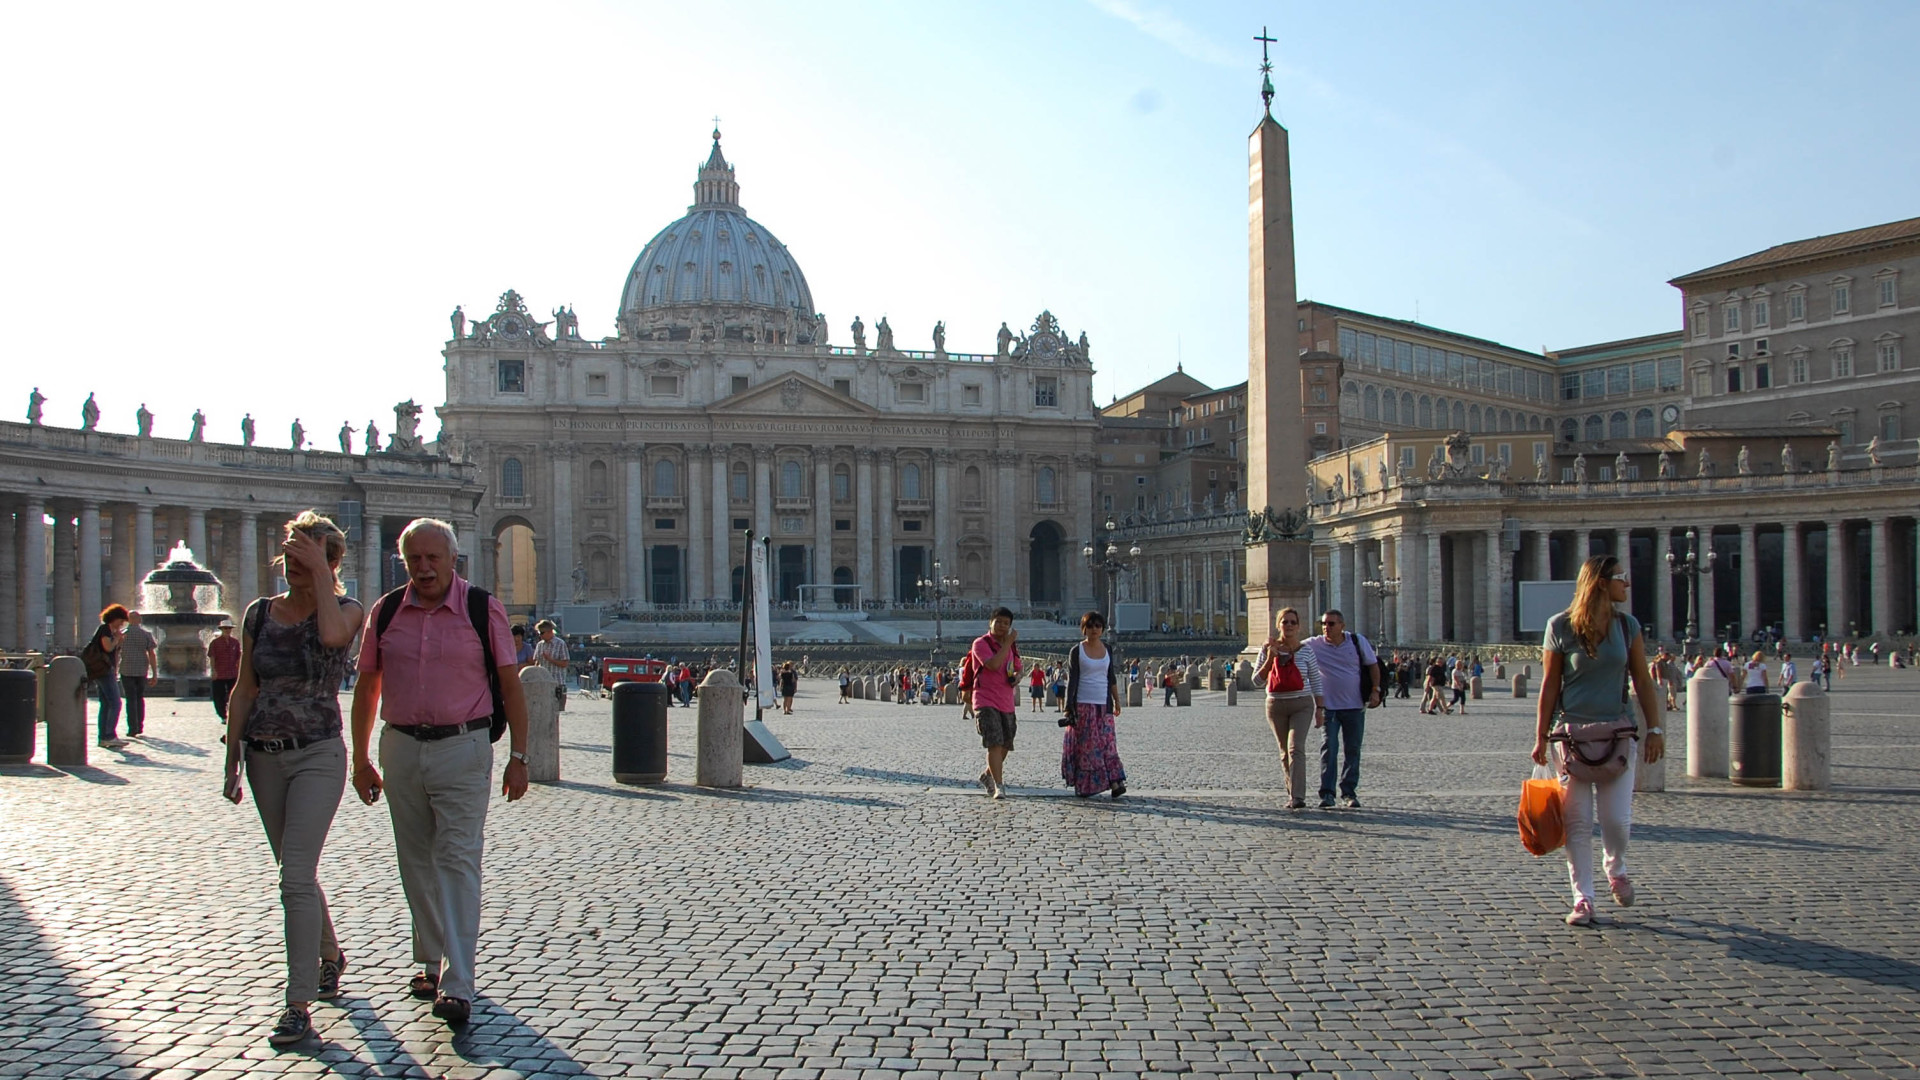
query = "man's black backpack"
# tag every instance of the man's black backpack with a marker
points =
(477, 597)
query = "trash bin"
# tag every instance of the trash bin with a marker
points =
(19, 713)
(640, 732)
(1753, 739)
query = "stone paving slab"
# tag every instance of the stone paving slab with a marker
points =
(863, 911)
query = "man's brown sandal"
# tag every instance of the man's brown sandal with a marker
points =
(425, 985)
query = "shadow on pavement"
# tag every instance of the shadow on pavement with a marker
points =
(44, 1011)
(495, 1038)
(1697, 834)
(649, 793)
(171, 747)
(1755, 946)
(917, 779)
(32, 771)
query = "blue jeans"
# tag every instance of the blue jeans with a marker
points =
(1348, 726)
(109, 690)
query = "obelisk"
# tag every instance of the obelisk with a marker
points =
(1278, 570)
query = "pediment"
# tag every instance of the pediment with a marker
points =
(794, 394)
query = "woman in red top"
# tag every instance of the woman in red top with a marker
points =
(1037, 687)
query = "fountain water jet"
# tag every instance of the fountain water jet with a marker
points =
(182, 599)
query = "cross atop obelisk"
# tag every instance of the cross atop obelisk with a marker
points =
(1266, 69)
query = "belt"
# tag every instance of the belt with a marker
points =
(430, 732)
(281, 746)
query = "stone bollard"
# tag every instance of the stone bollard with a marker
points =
(1233, 693)
(1216, 676)
(1707, 751)
(950, 695)
(1136, 693)
(1648, 777)
(1473, 687)
(66, 705)
(1183, 693)
(543, 725)
(1192, 681)
(887, 687)
(1520, 684)
(1806, 762)
(722, 716)
(1500, 671)
(1243, 674)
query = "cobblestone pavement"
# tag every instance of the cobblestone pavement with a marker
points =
(863, 911)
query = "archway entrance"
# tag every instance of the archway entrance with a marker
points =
(516, 578)
(1043, 564)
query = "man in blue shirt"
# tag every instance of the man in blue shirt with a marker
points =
(1343, 657)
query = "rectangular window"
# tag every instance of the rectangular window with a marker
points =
(1669, 373)
(1320, 427)
(1796, 307)
(1403, 356)
(1733, 380)
(1570, 386)
(1470, 373)
(1702, 384)
(1846, 431)
(1889, 427)
(1506, 378)
(843, 387)
(665, 385)
(1593, 383)
(1606, 473)
(1566, 477)
(970, 395)
(1539, 451)
(842, 524)
(1046, 392)
(1762, 376)
(1478, 453)
(1797, 368)
(1367, 342)
(1349, 344)
(596, 384)
(1422, 361)
(663, 524)
(742, 524)
(910, 525)
(1406, 457)
(1762, 346)
(1843, 363)
(1700, 324)
(1842, 300)
(1642, 376)
(913, 392)
(1456, 367)
(740, 384)
(1730, 319)
(1889, 292)
(513, 376)
(1619, 379)
(1106, 502)
(1889, 352)
(1761, 313)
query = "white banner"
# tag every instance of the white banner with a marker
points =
(762, 634)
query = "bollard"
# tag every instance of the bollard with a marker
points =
(19, 709)
(1216, 676)
(1648, 777)
(887, 687)
(66, 704)
(543, 725)
(1192, 680)
(640, 732)
(1707, 724)
(1233, 693)
(1754, 727)
(1500, 671)
(721, 716)
(1183, 693)
(1473, 687)
(1520, 684)
(1136, 693)
(1243, 674)
(951, 694)
(1807, 729)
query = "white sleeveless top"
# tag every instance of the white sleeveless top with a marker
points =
(1093, 678)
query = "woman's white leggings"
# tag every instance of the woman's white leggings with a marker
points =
(1613, 802)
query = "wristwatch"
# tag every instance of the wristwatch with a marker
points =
(1656, 731)
(517, 756)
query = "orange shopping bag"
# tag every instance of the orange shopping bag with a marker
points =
(1543, 824)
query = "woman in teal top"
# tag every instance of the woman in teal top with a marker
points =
(1590, 651)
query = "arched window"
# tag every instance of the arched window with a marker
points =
(1426, 411)
(1506, 420)
(1596, 429)
(1643, 424)
(1440, 412)
(1370, 403)
(513, 479)
(1406, 408)
(970, 484)
(1535, 423)
(842, 484)
(666, 479)
(1043, 486)
(1350, 399)
(740, 491)
(790, 480)
(1617, 426)
(910, 481)
(1473, 418)
(1390, 407)
(1569, 430)
(597, 479)
(1459, 415)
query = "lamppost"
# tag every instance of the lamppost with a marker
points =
(941, 588)
(1114, 561)
(1693, 566)
(1381, 588)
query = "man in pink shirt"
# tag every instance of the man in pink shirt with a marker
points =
(426, 672)
(997, 659)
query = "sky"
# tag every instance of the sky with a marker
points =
(273, 208)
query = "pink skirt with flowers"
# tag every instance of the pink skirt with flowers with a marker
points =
(1089, 759)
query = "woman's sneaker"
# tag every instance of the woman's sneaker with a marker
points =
(294, 1025)
(1582, 913)
(1622, 890)
(330, 971)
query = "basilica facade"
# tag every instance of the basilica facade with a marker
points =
(630, 470)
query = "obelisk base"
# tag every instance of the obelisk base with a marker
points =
(1279, 575)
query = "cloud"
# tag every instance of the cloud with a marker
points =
(1147, 100)
(1168, 29)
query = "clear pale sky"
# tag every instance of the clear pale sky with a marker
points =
(274, 207)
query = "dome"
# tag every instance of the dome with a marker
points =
(717, 274)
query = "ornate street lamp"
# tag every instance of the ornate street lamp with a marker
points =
(1381, 588)
(1692, 567)
(940, 588)
(1115, 562)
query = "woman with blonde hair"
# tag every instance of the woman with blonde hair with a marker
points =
(1590, 651)
(284, 715)
(1294, 699)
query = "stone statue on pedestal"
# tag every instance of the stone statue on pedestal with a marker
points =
(1666, 465)
(1385, 477)
(1705, 465)
(89, 414)
(406, 429)
(299, 435)
(1339, 487)
(1786, 458)
(346, 437)
(940, 338)
(36, 400)
(1540, 469)
(859, 335)
(1833, 456)
(579, 576)
(1873, 452)
(1003, 341)
(200, 427)
(459, 321)
(373, 438)
(1620, 465)
(143, 421)
(1742, 462)
(1580, 468)
(884, 334)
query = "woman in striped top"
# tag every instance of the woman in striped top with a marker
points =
(1292, 679)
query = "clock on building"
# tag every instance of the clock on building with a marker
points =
(1670, 414)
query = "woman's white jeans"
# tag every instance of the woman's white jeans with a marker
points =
(1613, 802)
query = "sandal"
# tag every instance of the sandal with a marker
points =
(425, 985)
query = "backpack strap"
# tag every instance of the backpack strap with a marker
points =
(478, 614)
(384, 610)
(250, 624)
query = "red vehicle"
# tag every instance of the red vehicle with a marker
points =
(614, 669)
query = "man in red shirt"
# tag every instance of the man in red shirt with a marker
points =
(223, 656)
(426, 674)
(997, 658)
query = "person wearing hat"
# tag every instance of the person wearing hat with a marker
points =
(223, 659)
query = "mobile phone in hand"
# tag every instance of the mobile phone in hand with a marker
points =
(232, 791)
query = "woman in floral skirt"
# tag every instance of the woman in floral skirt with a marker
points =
(1089, 760)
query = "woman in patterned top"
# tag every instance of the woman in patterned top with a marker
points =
(285, 714)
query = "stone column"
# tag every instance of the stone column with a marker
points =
(1708, 631)
(1662, 585)
(1405, 543)
(943, 524)
(1436, 624)
(863, 521)
(1881, 581)
(373, 556)
(1749, 580)
(883, 531)
(699, 578)
(1793, 600)
(1469, 587)
(1006, 509)
(1499, 602)
(763, 491)
(144, 560)
(1337, 555)
(197, 534)
(722, 538)
(561, 556)
(32, 546)
(65, 635)
(90, 564)
(823, 516)
(246, 585)
(1087, 516)
(1542, 555)
(1837, 606)
(633, 459)
(122, 584)
(10, 576)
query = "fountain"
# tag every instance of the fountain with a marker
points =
(181, 600)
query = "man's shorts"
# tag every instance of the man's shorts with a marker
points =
(996, 728)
